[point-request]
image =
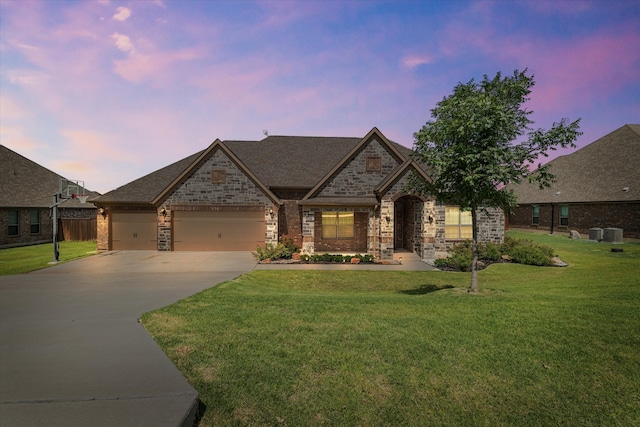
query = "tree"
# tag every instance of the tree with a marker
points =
(479, 141)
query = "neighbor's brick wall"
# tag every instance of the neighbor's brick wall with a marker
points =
(354, 180)
(24, 236)
(582, 217)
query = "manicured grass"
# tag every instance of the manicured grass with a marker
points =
(537, 346)
(28, 258)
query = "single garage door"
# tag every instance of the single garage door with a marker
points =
(218, 230)
(131, 231)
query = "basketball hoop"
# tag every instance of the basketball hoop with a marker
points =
(82, 197)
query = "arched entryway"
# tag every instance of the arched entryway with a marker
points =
(407, 214)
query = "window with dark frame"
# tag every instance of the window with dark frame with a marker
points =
(13, 223)
(564, 215)
(535, 217)
(338, 225)
(457, 224)
(35, 222)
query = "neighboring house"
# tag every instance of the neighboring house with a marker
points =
(596, 186)
(329, 194)
(26, 197)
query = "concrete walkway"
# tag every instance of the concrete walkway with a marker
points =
(72, 352)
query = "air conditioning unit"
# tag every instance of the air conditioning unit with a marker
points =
(612, 235)
(595, 233)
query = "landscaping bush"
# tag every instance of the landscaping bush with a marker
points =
(283, 250)
(520, 251)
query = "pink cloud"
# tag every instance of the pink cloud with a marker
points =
(154, 67)
(122, 14)
(413, 61)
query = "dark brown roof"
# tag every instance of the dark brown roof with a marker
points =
(279, 162)
(598, 172)
(292, 161)
(24, 183)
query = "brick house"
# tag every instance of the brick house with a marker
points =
(26, 196)
(596, 186)
(330, 194)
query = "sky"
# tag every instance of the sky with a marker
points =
(108, 91)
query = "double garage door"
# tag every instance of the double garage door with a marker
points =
(218, 231)
(192, 230)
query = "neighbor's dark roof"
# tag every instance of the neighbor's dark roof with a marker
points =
(597, 172)
(26, 184)
(277, 161)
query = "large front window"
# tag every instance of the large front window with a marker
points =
(535, 218)
(337, 225)
(457, 223)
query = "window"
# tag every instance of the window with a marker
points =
(35, 222)
(564, 215)
(337, 225)
(13, 223)
(457, 223)
(535, 219)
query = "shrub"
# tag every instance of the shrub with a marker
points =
(283, 250)
(520, 250)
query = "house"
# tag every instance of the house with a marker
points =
(330, 194)
(597, 186)
(26, 197)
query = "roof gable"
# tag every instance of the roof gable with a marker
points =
(217, 145)
(393, 154)
(598, 172)
(408, 166)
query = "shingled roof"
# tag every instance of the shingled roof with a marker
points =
(279, 162)
(604, 171)
(26, 184)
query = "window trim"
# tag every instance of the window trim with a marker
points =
(563, 220)
(36, 224)
(15, 226)
(460, 225)
(337, 225)
(535, 215)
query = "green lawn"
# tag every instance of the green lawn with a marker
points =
(538, 345)
(28, 258)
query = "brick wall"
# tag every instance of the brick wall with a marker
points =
(582, 217)
(24, 234)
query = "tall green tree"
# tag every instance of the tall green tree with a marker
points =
(479, 140)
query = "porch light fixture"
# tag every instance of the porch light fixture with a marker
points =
(430, 219)
(163, 211)
(103, 212)
(271, 212)
(388, 218)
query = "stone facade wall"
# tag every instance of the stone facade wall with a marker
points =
(582, 217)
(203, 191)
(354, 180)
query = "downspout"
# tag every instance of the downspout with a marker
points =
(375, 234)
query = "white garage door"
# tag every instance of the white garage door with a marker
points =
(131, 231)
(218, 230)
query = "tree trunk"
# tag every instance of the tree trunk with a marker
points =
(474, 251)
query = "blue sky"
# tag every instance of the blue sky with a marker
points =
(107, 91)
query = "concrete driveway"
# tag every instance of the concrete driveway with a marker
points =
(72, 352)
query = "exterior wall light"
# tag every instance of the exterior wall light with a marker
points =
(103, 212)
(163, 211)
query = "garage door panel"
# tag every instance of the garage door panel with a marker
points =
(218, 230)
(134, 231)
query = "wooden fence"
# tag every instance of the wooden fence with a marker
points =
(78, 229)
